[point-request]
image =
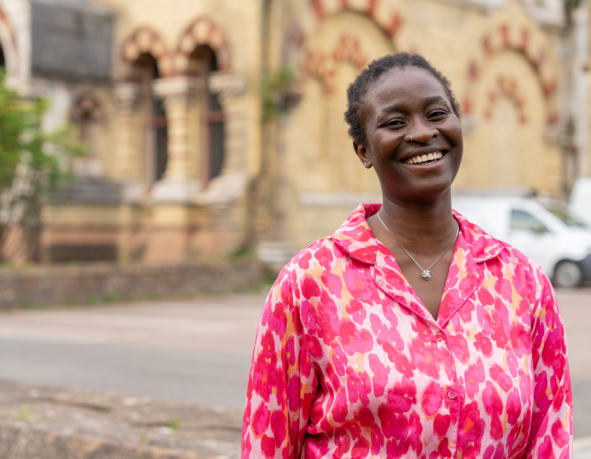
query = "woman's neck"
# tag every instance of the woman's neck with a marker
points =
(420, 227)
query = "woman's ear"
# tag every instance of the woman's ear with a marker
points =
(362, 153)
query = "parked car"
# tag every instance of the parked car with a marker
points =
(580, 199)
(548, 234)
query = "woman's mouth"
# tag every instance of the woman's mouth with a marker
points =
(428, 158)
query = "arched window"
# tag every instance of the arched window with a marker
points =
(146, 71)
(203, 63)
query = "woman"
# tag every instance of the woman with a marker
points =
(409, 332)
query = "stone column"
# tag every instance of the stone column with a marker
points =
(127, 98)
(231, 184)
(177, 185)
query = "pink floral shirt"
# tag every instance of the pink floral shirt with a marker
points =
(348, 363)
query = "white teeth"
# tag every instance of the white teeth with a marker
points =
(424, 158)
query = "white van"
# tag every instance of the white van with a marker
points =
(580, 200)
(552, 237)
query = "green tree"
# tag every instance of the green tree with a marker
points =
(31, 159)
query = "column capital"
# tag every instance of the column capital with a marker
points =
(177, 89)
(127, 96)
(227, 85)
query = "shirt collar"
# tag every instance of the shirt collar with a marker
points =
(356, 238)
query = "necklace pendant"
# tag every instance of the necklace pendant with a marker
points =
(426, 275)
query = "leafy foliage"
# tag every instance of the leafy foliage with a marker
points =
(31, 158)
(277, 93)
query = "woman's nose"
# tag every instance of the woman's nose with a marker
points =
(420, 133)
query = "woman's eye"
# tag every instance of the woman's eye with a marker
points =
(437, 114)
(395, 123)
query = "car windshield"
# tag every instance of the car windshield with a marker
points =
(567, 218)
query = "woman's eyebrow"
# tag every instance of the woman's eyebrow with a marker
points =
(387, 110)
(433, 99)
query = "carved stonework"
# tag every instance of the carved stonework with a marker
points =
(127, 96)
(176, 89)
(227, 85)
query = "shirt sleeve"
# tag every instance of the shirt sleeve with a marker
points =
(552, 419)
(282, 382)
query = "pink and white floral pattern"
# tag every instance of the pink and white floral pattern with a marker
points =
(348, 363)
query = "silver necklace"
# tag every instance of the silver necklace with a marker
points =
(426, 272)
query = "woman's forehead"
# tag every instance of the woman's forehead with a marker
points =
(408, 84)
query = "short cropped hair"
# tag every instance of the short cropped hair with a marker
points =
(366, 79)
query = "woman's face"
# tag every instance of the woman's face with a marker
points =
(408, 115)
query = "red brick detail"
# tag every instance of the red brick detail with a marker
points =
(508, 87)
(550, 88)
(525, 40)
(371, 7)
(504, 31)
(318, 8)
(540, 59)
(473, 71)
(8, 24)
(221, 48)
(395, 25)
(467, 106)
(486, 45)
(324, 66)
(155, 47)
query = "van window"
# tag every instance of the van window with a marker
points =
(567, 218)
(524, 221)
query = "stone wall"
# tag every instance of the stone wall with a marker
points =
(107, 283)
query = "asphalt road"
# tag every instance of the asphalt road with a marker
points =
(196, 351)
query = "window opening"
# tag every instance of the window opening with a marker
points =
(156, 121)
(212, 115)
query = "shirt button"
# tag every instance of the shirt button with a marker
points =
(439, 336)
(451, 395)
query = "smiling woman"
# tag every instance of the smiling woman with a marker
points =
(409, 332)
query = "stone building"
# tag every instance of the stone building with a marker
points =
(214, 126)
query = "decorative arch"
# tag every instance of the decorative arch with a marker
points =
(202, 31)
(383, 14)
(522, 40)
(506, 86)
(387, 18)
(146, 40)
(323, 66)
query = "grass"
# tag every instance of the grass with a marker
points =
(26, 415)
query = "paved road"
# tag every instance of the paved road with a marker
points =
(195, 351)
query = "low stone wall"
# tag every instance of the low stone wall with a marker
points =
(109, 282)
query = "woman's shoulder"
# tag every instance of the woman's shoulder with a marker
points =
(489, 249)
(318, 253)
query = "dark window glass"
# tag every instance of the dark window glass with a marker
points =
(524, 221)
(217, 148)
(146, 70)
(213, 147)
(567, 218)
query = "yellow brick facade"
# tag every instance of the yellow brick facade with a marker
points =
(289, 180)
